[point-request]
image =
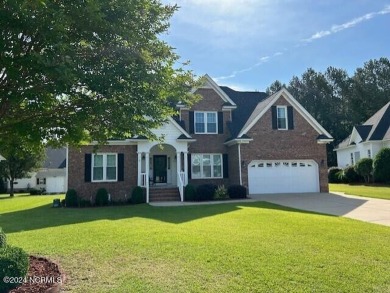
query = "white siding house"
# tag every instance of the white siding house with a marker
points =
(365, 140)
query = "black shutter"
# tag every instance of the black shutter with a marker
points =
(290, 117)
(274, 118)
(191, 122)
(225, 166)
(121, 167)
(220, 122)
(87, 167)
(189, 166)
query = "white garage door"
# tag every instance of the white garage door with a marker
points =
(286, 176)
(55, 184)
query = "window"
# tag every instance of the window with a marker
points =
(206, 122)
(352, 163)
(369, 154)
(281, 117)
(357, 156)
(206, 166)
(104, 167)
(41, 181)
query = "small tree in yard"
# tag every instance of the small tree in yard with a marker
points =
(20, 159)
(364, 168)
(382, 165)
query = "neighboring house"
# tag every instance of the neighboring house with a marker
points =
(268, 144)
(52, 175)
(365, 140)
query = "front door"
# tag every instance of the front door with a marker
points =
(160, 169)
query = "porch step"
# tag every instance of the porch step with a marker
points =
(164, 194)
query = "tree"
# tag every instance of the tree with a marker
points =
(382, 165)
(21, 158)
(274, 87)
(364, 168)
(73, 70)
(371, 89)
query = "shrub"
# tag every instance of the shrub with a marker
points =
(364, 168)
(382, 165)
(101, 198)
(237, 191)
(34, 191)
(205, 192)
(14, 263)
(350, 175)
(333, 175)
(221, 192)
(71, 198)
(63, 204)
(85, 203)
(3, 239)
(340, 176)
(189, 192)
(138, 195)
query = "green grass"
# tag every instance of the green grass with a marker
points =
(375, 191)
(233, 247)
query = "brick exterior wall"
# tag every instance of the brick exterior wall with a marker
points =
(208, 143)
(120, 190)
(298, 143)
(234, 172)
(267, 144)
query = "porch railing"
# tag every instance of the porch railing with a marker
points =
(144, 180)
(145, 183)
(180, 179)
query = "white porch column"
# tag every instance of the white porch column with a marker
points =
(185, 168)
(178, 166)
(147, 176)
(139, 168)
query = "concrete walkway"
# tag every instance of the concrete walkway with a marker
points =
(366, 209)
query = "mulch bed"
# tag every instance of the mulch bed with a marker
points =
(43, 276)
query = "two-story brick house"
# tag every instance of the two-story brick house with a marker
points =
(268, 144)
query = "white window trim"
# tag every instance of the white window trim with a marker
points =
(277, 117)
(205, 122)
(212, 166)
(105, 167)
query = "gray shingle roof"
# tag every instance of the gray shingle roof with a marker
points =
(377, 127)
(246, 103)
(55, 158)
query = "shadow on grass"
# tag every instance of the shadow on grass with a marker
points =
(45, 216)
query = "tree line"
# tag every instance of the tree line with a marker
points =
(339, 101)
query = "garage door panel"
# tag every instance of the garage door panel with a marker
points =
(283, 176)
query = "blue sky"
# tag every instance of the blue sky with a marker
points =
(248, 44)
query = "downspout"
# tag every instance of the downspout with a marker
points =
(239, 162)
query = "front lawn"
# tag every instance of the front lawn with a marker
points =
(376, 191)
(233, 247)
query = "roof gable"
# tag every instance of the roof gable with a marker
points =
(266, 104)
(171, 128)
(209, 83)
(354, 137)
(381, 124)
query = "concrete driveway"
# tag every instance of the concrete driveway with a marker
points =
(360, 208)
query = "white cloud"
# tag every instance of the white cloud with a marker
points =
(349, 24)
(316, 36)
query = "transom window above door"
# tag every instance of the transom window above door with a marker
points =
(206, 122)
